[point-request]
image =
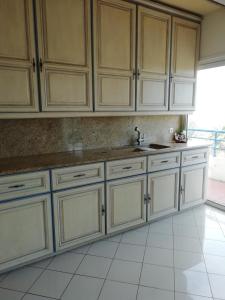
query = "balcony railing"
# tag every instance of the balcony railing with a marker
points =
(215, 137)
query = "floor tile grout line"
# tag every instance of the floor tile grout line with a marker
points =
(49, 297)
(142, 265)
(73, 275)
(207, 274)
(43, 270)
(27, 291)
(220, 225)
(104, 280)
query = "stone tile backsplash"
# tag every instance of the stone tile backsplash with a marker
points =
(38, 136)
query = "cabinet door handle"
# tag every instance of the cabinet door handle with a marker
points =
(34, 65)
(145, 199)
(149, 198)
(41, 64)
(134, 74)
(164, 161)
(138, 74)
(182, 190)
(194, 157)
(16, 186)
(79, 175)
(103, 210)
(127, 168)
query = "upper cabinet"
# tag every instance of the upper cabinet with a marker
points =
(185, 54)
(95, 57)
(18, 84)
(153, 60)
(114, 52)
(65, 55)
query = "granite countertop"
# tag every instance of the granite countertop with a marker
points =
(66, 159)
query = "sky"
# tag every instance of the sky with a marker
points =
(210, 100)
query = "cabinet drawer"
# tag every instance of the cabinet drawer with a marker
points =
(163, 161)
(192, 157)
(125, 167)
(14, 186)
(76, 176)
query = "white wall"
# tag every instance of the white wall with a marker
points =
(213, 38)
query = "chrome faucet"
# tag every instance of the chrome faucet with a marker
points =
(140, 137)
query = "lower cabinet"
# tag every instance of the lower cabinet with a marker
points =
(126, 203)
(25, 230)
(79, 215)
(163, 193)
(193, 185)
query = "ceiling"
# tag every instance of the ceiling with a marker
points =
(201, 7)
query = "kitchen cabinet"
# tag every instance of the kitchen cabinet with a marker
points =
(79, 215)
(114, 53)
(153, 60)
(18, 78)
(56, 71)
(65, 55)
(163, 193)
(25, 230)
(184, 58)
(126, 203)
(193, 185)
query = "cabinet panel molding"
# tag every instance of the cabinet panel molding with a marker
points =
(18, 78)
(78, 215)
(163, 190)
(126, 203)
(25, 230)
(193, 185)
(153, 59)
(64, 36)
(184, 59)
(114, 55)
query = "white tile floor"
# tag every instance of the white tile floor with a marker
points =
(178, 258)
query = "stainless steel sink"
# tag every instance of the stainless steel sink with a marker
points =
(158, 146)
(151, 147)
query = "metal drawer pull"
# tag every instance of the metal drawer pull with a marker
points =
(127, 168)
(196, 156)
(16, 186)
(164, 161)
(79, 175)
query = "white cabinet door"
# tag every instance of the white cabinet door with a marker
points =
(185, 53)
(25, 230)
(163, 189)
(126, 203)
(18, 78)
(153, 60)
(193, 185)
(65, 51)
(79, 215)
(114, 39)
